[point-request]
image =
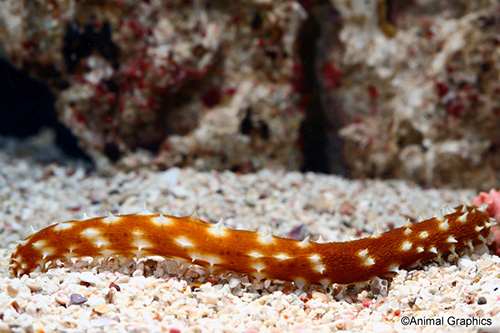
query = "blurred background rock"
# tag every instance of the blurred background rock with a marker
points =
(376, 89)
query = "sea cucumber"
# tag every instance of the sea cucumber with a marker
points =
(303, 262)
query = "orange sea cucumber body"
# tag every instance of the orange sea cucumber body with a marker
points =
(206, 244)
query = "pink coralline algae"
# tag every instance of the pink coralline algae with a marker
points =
(492, 199)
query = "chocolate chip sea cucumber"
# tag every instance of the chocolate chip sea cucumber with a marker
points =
(206, 244)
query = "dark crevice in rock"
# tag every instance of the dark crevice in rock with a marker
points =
(321, 145)
(27, 106)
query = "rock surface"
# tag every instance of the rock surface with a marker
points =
(405, 90)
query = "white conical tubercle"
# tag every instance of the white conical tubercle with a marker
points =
(259, 254)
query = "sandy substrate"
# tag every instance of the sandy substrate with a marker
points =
(165, 296)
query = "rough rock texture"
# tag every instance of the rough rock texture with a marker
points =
(415, 86)
(198, 83)
(408, 89)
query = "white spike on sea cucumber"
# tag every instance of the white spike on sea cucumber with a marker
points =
(463, 218)
(194, 216)
(111, 218)
(305, 242)
(447, 210)
(481, 238)
(452, 250)
(300, 283)
(393, 268)
(144, 210)
(483, 207)
(220, 224)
